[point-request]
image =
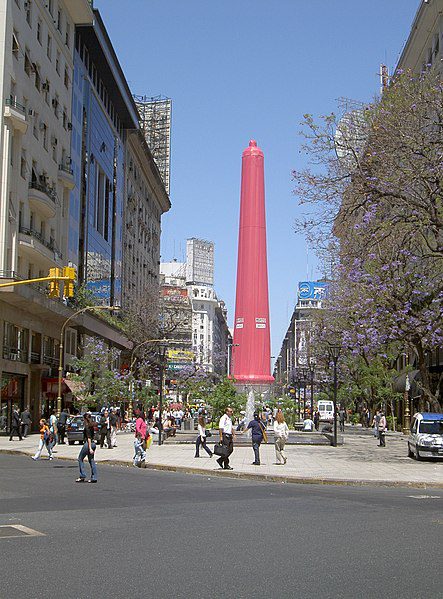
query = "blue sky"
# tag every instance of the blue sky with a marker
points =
(242, 69)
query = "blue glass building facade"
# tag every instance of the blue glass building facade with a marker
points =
(102, 111)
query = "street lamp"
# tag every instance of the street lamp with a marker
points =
(312, 364)
(230, 345)
(334, 354)
(162, 348)
(62, 337)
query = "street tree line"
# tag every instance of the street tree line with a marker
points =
(375, 210)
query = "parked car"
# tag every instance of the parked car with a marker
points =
(426, 436)
(75, 427)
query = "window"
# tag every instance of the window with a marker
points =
(49, 47)
(39, 31)
(23, 168)
(15, 45)
(55, 104)
(28, 12)
(68, 34)
(57, 62)
(54, 149)
(27, 63)
(38, 81)
(66, 80)
(59, 20)
(65, 118)
(102, 204)
(44, 129)
(51, 6)
(35, 126)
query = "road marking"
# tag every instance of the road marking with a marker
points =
(424, 496)
(13, 531)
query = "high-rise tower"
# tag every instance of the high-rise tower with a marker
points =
(251, 347)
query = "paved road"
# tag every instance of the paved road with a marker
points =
(141, 533)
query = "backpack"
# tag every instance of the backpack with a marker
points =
(47, 436)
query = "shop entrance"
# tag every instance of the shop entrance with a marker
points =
(12, 394)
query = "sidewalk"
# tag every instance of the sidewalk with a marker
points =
(358, 462)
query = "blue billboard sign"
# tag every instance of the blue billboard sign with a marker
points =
(312, 290)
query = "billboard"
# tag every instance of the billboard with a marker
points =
(312, 290)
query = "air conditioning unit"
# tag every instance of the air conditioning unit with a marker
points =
(31, 112)
(45, 86)
(69, 126)
(54, 141)
(54, 102)
(42, 126)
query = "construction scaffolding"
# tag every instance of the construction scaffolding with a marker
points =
(155, 123)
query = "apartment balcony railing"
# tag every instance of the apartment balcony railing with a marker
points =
(12, 103)
(36, 235)
(14, 353)
(42, 198)
(50, 361)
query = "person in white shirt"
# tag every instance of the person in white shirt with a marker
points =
(201, 439)
(226, 437)
(281, 432)
(308, 424)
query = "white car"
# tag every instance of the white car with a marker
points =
(426, 436)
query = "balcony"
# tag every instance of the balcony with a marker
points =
(42, 199)
(32, 241)
(14, 354)
(51, 361)
(15, 113)
(66, 176)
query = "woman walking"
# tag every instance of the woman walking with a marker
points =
(201, 439)
(45, 438)
(88, 450)
(281, 434)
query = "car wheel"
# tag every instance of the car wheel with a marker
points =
(417, 455)
(71, 442)
(410, 452)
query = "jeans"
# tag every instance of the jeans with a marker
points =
(256, 448)
(84, 452)
(199, 443)
(342, 426)
(140, 453)
(42, 444)
(279, 450)
(229, 443)
(382, 438)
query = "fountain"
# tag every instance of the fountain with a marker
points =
(250, 408)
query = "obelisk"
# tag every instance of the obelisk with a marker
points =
(251, 355)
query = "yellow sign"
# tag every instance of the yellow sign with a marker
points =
(180, 355)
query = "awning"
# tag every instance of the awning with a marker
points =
(399, 382)
(75, 387)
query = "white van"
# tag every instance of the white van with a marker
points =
(326, 410)
(426, 436)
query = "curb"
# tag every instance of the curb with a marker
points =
(300, 480)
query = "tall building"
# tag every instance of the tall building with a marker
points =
(423, 47)
(78, 186)
(295, 349)
(207, 328)
(199, 262)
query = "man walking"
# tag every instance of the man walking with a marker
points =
(16, 424)
(64, 415)
(105, 430)
(226, 438)
(26, 422)
(341, 419)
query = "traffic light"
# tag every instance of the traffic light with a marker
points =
(54, 285)
(68, 288)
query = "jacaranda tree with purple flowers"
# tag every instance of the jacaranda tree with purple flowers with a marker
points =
(383, 201)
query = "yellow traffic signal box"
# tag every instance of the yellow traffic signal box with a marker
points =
(54, 285)
(68, 289)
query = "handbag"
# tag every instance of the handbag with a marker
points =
(221, 450)
(265, 434)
